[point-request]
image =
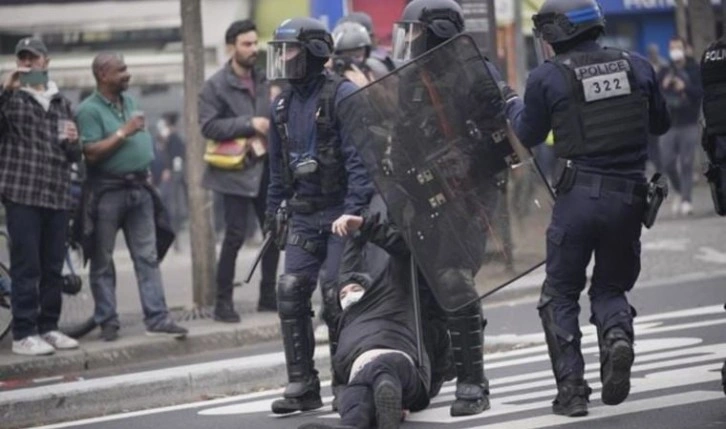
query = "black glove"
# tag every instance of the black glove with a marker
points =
(269, 225)
(507, 92)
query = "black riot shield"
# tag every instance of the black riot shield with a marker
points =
(470, 199)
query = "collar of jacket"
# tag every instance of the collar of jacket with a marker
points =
(235, 81)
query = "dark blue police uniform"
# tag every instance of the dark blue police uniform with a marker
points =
(315, 169)
(601, 105)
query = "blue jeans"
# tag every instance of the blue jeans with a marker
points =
(37, 249)
(131, 210)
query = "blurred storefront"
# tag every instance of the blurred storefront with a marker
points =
(634, 24)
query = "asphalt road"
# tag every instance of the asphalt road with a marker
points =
(680, 346)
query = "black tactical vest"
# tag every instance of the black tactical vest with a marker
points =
(713, 72)
(331, 170)
(607, 113)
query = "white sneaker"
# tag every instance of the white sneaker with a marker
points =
(60, 340)
(32, 346)
(686, 208)
(676, 204)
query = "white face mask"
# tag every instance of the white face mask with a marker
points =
(677, 55)
(351, 298)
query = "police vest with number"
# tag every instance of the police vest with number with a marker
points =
(331, 170)
(607, 111)
(713, 72)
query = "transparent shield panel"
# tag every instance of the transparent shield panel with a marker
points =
(469, 197)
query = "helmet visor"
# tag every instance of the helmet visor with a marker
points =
(285, 60)
(409, 40)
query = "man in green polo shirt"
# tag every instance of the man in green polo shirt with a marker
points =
(118, 152)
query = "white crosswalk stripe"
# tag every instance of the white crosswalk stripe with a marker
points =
(676, 370)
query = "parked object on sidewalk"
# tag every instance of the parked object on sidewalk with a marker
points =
(118, 196)
(233, 107)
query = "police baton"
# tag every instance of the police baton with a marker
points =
(265, 245)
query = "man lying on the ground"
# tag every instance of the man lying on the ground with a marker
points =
(376, 352)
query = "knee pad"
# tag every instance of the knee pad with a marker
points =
(293, 296)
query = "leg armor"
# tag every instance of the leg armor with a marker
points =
(467, 339)
(303, 390)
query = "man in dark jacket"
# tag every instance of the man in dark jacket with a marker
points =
(376, 351)
(681, 86)
(234, 104)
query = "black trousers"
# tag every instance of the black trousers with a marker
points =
(235, 216)
(37, 251)
(356, 405)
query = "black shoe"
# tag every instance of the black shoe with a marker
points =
(615, 372)
(572, 399)
(308, 402)
(388, 403)
(109, 332)
(469, 407)
(723, 377)
(225, 313)
(167, 329)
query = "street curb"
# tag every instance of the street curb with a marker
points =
(134, 350)
(151, 389)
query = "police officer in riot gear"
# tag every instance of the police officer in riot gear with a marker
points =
(601, 105)
(379, 59)
(352, 45)
(315, 169)
(713, 74)
(424, 25)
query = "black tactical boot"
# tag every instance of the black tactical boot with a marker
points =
(224, 312)
(467, 340)
(616, 359)
(268, 298)
(572, 398)
(301, 396)
(387, 398)
(302, 392)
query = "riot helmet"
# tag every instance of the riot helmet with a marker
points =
(563, 23)
(299, 49)
(361, 18)
(352, 42)
(424, 25)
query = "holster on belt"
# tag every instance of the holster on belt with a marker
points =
(657, 193)
(565, 176)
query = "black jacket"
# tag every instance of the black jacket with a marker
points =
(85, 218)
(384, 317)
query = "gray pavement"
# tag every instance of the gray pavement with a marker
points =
(680, 348)
(683, 254)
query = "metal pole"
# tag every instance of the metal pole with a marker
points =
(417, 312)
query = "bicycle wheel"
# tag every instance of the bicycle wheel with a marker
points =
(6, 314)
(76, 318)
